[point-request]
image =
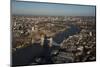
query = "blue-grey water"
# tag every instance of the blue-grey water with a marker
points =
(68, 32)
(25, 56)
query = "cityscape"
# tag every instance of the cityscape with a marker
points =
(77, 47)
(51, 39)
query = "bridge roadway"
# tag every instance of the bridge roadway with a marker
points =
(26, 56)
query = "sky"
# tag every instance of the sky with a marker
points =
(50, 9)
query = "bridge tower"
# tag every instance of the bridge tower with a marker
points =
(50, 41)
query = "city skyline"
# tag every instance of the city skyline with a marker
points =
(51, 9)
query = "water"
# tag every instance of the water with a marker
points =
(68, 32)
(26, 56)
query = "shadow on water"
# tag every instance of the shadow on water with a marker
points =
(37, 54)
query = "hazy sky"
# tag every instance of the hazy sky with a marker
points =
(35, 8)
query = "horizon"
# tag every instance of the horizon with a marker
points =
(51, 9)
